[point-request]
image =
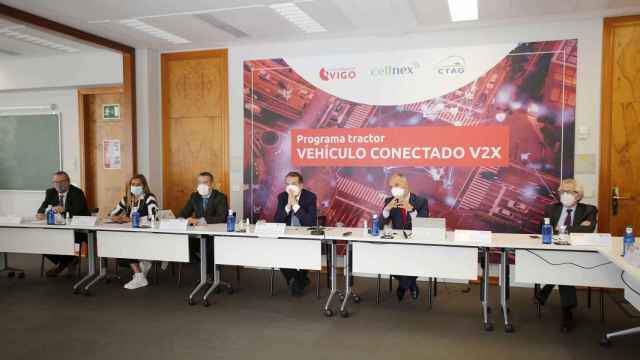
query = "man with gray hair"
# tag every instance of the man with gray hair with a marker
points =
(575, 217)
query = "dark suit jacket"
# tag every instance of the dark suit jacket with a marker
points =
(216, 211)
(583, 213)
(420, 204)
(75, 202)
(306, 214)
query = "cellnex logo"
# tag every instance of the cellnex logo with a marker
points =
(337, 74)
(452, 65)
(396, 70)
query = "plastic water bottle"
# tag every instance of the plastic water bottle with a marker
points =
(231, 221)
(375, 225)
(51, 216)
(67, 218)
(628, 240)
(135, 219)
(547, 232)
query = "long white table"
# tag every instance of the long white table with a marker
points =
(535, 262)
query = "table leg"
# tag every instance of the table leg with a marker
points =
(488, 326)
(102, 274)
(92, 257)
(347, 282)
(430, 293)
(203, 270)
(327, 307)
(504, 286)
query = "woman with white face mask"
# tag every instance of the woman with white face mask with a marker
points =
(575, 217)
(138, 198)
(399, 211)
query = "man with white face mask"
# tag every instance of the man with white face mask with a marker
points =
(206, 205)
(399, 210)
(575, 217)
(296, 207)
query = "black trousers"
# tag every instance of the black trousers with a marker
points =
(63, 260)
(568, 296)
(194, 252)
(300, 276)
(406, 282)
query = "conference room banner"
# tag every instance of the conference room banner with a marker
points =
(485, 133)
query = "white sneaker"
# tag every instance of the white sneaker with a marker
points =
(145, 266)
(138, 281)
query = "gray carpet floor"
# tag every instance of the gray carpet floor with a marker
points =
(41, 319)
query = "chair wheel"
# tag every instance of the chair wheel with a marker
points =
(205, 303)
(76, 291)
(341, 297)
(344, 313)
(190, 302)
(508, 328)
(605, 342)
(21, 275)
(328, 312)
(86, 293)
(356, 299)
(11, 274)
(488, 327)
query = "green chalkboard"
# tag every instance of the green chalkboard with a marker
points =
(29, 151)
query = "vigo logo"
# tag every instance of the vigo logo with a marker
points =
(452, 65)
(337, 74)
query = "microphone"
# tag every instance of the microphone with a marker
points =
(317, 230)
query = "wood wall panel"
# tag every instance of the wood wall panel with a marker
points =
(195, 122)
(620, 129)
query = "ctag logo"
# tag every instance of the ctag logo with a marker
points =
(452, 65)
(337, 74)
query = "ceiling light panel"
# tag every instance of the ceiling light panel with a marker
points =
(20, 33)
(292, 13)
(463, 10)
(154, 31)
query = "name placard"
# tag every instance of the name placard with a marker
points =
(173, 224)
(472, 236)
(10, 220)
(590, 239)
(270, 229)
(84, 221)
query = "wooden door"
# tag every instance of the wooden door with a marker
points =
(195, 122)
(620, 129)
(105, 182)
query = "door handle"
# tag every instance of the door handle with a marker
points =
(615, 198)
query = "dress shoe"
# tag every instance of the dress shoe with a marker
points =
(56, 270)
(400, 293)
(540, 299)
(567, 320)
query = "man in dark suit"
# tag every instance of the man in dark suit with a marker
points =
(575, 217)
(399, 209)
(64, 198)
(205, 206)
(296, 207)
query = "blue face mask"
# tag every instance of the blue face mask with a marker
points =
(137, 190)
(60, 188)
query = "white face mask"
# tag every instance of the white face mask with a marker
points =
(295, 189)
(567, 199)
(203, 189)
(397, 191)
(136, 190)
